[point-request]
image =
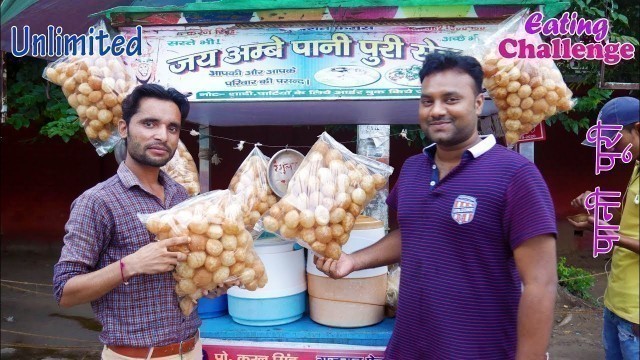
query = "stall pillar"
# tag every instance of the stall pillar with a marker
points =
(3, 87)
(204, 156)
(526, 149)
(374, 142)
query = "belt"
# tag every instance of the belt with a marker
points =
(178, 348)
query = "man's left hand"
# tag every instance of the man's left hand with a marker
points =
(221, 289)
(582, 225)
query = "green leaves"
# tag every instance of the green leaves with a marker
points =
(65, 128)
(18, 121)
(588, 104)
(34, 102)
(577, 281)
(622, 18)
(585, 74)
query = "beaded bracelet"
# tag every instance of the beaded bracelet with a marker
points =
(122, 273)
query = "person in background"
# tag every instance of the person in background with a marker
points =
(621, 313)
(476, 235)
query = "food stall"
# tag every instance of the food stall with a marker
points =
(336, 62)
(303, 63)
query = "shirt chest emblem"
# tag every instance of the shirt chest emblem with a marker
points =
(464, 208)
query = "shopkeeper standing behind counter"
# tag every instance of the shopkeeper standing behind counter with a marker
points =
(476, 235)
(111, 260)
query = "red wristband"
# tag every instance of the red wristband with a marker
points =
(122, 273)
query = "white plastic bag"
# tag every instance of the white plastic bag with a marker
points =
(325, 196)
(182, 168)
(525, 91)
(220, 250)
(250, 183)
(95, 87)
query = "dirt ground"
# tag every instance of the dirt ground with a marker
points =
(579, 336)
(33, 327)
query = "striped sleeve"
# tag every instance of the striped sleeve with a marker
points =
(529, 209)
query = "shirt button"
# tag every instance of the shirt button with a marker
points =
(432, 183)
(433, 167)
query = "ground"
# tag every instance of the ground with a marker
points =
(34, 327)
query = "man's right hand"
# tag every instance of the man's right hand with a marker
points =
(578, 202)
(335, 269)
(155, 257)
(582, 225)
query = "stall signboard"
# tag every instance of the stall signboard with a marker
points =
(245, 350)
(538, 133)
(244, 63)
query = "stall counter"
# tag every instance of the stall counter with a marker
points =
(223, 339)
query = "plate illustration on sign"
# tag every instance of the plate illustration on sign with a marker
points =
(405, 75)
(347, 76)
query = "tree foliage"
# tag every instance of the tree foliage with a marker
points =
(584, 76)
(32, 102)
(577, 281)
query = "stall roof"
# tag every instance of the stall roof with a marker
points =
(310, 4)
(550, 7)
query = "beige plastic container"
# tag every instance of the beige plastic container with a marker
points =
(357, 300)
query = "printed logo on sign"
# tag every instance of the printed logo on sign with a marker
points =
(464, 207)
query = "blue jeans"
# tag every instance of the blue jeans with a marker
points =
(620, 342)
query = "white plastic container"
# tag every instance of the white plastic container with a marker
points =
(358, 299)
(282, 300)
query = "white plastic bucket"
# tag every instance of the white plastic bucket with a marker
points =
(366, 232)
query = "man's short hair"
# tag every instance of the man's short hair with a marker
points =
(438, 62)
(131, 103)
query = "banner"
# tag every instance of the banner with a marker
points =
(246, 350)
(234, 63)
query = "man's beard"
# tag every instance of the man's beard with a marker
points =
(138, 154)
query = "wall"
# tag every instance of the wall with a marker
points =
(40, 178)
(568, 167)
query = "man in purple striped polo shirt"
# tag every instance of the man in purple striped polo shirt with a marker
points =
(110, 259)
(476, 235)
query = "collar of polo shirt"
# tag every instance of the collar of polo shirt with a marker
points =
(487, 142)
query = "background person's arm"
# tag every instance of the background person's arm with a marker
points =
(578, 203)
(629, 243)
(624, 241)
(536, 262)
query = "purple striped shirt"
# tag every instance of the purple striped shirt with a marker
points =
(103, 227)
(459, 289)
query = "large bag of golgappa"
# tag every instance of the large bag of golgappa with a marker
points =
(526, 91)
(251, 184)
(95, 87)
(220, 250)
(325, 196)
(182, 168)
